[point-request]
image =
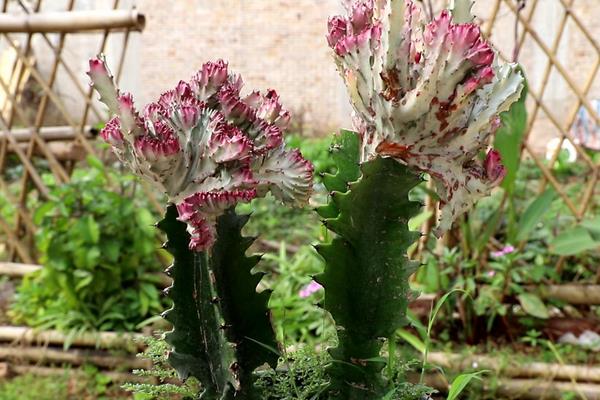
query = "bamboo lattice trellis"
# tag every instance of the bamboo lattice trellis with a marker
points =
(577, 77)
(515, 28)
(26, 140)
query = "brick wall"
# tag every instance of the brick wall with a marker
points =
(276, 44)
(280, 44)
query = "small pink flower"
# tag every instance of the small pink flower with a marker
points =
(505, 251)
(310, 289)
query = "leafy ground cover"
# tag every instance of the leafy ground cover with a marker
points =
(493, 278)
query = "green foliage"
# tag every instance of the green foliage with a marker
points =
(534, 213)
(221, 328)
(89, 385)
(583, 237)
(296, 226)
(509, 138)
(300, 376)
(533, 305)
(296, 319)
(460, 383)
(98, 250)
(367, 271)
(273, 223)
(29, 387)
(168, 386)
(316, 150)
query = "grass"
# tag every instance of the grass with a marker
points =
(62, 387)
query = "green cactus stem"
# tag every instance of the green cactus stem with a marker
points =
(367, 270)
(221, 328)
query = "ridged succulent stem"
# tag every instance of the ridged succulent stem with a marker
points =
(367, 270)
(221, 328)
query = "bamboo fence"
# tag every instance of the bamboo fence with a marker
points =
(26, 139)
(524, 11)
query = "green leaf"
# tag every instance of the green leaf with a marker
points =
(533, 305)
(416, 222)
(42, 211)
(534, 213)
(573, 241)
(88, 229)
(592, 226)
(508, 139)
(367, 270)
(489, 229)
(461, 382)
(95, 162)
(111, 250)
(411, 339)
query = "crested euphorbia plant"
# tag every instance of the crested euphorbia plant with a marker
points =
(426, 97)
(426, 94)
(204, 146)
(208, 148)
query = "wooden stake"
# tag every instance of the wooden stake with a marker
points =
(115, 377)
(523, 389)
(48, 133)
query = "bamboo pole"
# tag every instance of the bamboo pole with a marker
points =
(47, 355)
(106, 340)
(116, 377)
(72, 21)
(570, 293)
(514, 368)
(524, 389)
(17, 270)
(528, 389)
(62, 151)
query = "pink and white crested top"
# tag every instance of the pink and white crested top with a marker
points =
(205, 146)
(427, 94)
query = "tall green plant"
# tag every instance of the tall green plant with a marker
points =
(208, 149)
(427, 96)
(221, 326)
(367, 271)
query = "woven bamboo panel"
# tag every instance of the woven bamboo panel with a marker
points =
(556, 41)
(47, 106)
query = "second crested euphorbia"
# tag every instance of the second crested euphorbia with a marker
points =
(205, 146)
(427, 94)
